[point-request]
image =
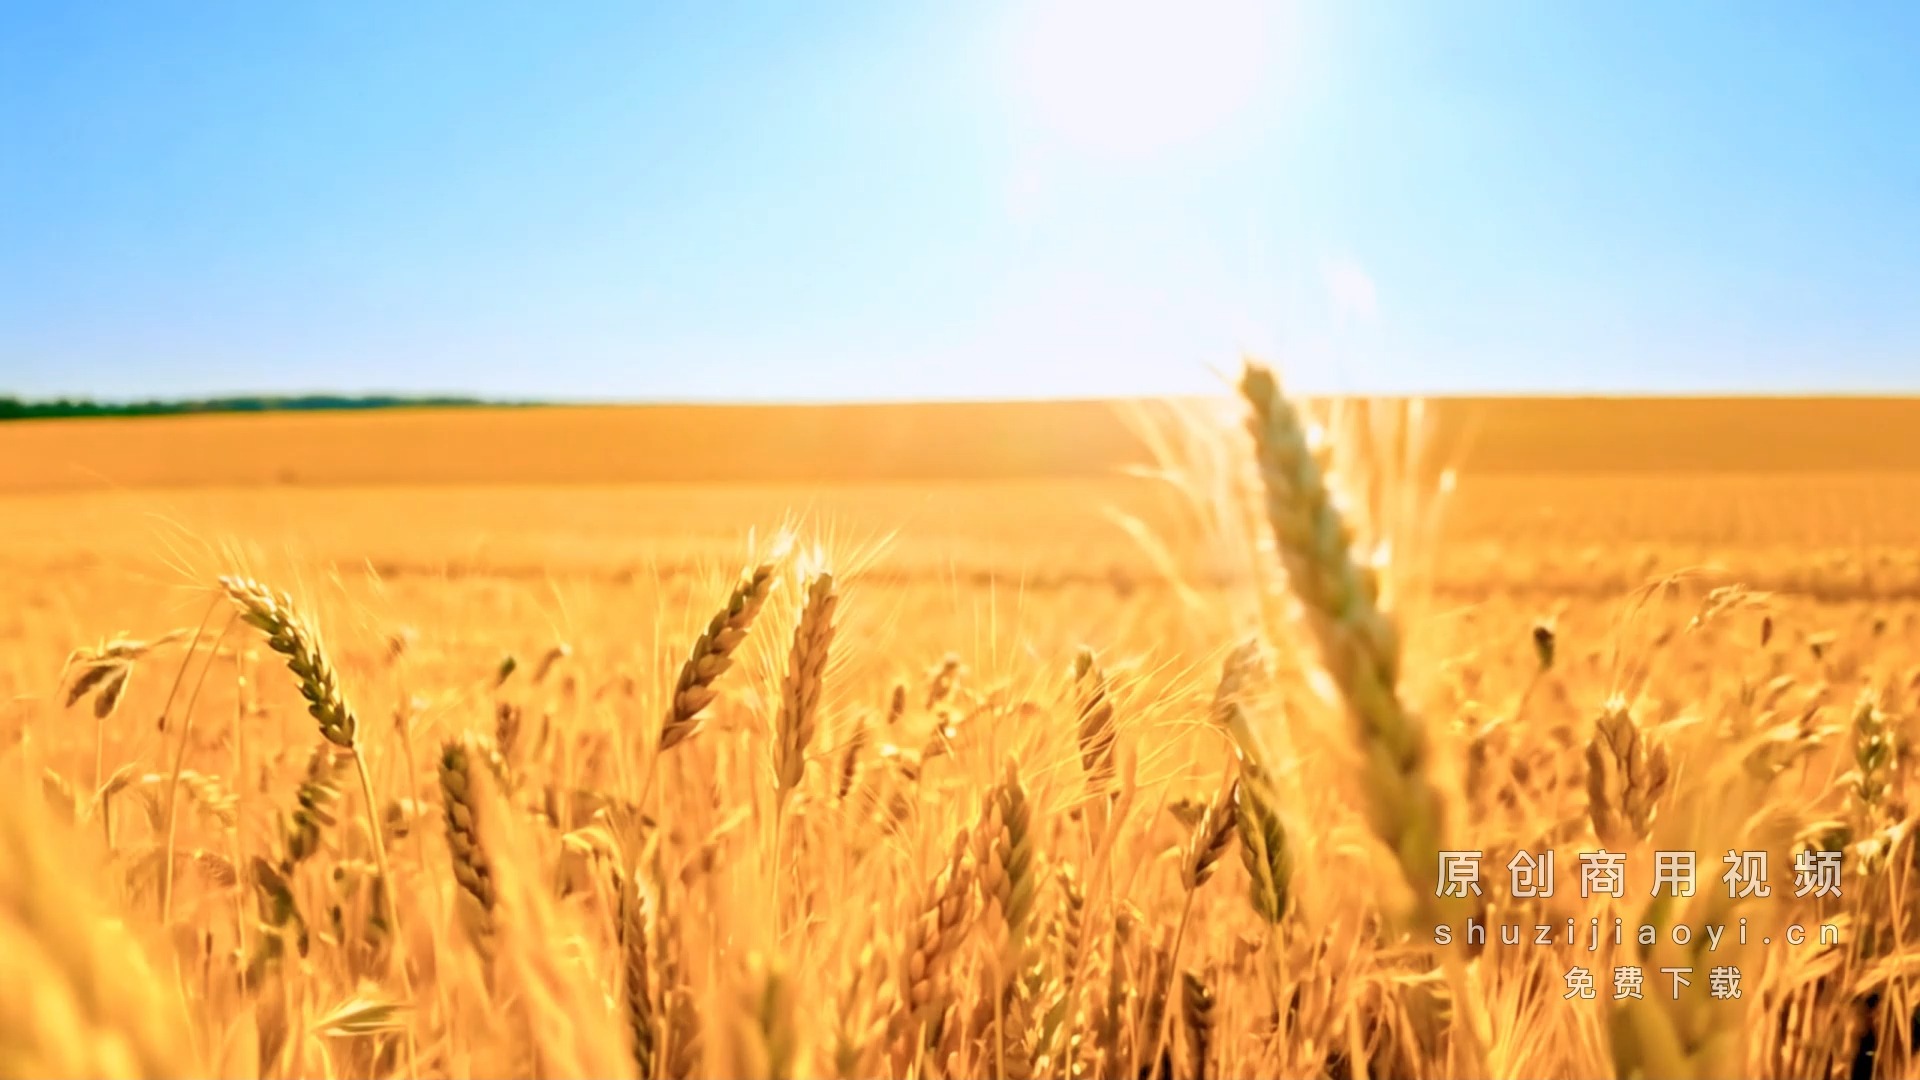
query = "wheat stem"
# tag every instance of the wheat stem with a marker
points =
(173, 780)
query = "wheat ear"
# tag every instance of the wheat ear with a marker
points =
(1096, 721)
(1358, 643)
(1196, 1008)
(712, 655)
(931, 939)
(800, 694)
(1627, 773)
(1008, 887)
(1209, 841)
(290, 635)
(1359, 647)
(472, 870)
(637, 975)
(1265, 853)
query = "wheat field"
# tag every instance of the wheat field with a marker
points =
(991, 742)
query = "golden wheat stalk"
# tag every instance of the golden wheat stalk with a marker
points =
(1237, 671)
(1211, 834)
(1009, 886)
(850, 755)
(1359, 649)
(1873, 755)
(472, 870)
(1196, 1009)
(684, 1052)
(1096, 729)
(712, 655)
(1358, 643)
(1113, 1045)
(1210, 839)
(931, 939)
(800, 693)
(1627, 773)
(290, 635)
(637, 974)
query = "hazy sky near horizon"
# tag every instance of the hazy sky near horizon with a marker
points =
(885, 200)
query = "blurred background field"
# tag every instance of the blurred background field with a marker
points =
(1007, 511)
(1554, 498)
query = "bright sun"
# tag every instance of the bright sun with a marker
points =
(1134, 78)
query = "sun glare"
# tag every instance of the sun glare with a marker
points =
(1131, 78)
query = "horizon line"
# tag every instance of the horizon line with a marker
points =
(342, 401)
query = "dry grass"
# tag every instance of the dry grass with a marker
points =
(554, 788)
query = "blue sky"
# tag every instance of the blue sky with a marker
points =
(896, 200)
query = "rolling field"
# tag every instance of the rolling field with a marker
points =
(927, 741)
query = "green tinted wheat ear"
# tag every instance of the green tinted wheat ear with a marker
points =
(713, 654)
(1626, 776)
(806, 671)
(1358, 644)
(1264, 852)
(1008, 883)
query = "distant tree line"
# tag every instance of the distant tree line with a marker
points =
(12, 408)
